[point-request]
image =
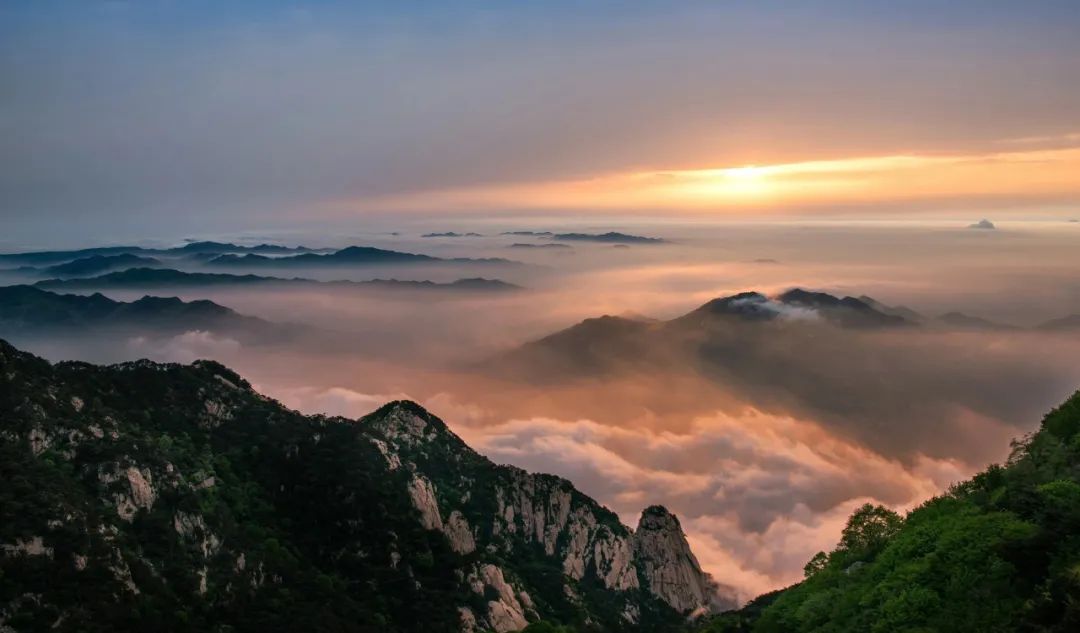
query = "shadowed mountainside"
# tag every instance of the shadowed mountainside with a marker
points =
(30, 310)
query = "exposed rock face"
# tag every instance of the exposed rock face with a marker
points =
(404, 427)
(670, 569)
(423, 498)
(503, 618)
(459, 534)
(39, 441)
(614, 559)
(506, 611)
(34, 546)
(193, 529)
(142, 493)
(137, 494)
(215, 413)
(392, 461)
(468, 620)
(541, 509)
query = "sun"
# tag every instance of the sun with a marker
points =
(749, 172)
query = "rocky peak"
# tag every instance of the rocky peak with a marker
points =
(670, 570)
(406, 423)
(747, 305)
(845, 312)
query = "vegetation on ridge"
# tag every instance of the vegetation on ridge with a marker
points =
(147, 496)
(1000, 552)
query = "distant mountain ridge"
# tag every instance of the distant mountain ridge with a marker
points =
(26, 309)
(147, 496)
(96, 264)
(170, 278)
(1067, 323)
(91, 261)
(726, 337)
(350, 256)
(966, 321)
(611, 237)
(42, 258)
(846, 312)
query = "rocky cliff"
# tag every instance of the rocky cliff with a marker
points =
(670, 569)
(150, 495)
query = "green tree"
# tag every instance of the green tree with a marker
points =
(815, 564)
(869, 528)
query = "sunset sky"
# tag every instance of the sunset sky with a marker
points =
(839, 146)
(205, 114)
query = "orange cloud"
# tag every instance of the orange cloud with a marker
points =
(757, 494)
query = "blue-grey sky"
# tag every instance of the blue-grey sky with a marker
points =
(181, 115)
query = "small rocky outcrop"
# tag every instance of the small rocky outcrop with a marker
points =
(670, 570)
(506, 605)
(423, 497)
(459, 534)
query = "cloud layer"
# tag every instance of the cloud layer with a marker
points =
(761, 436)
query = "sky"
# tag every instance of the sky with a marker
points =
(173, 116)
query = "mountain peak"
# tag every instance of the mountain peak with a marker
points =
(406, 423)
(809, 298)
(748, 305)
(670, 569)
(845, 311)
(658, 512)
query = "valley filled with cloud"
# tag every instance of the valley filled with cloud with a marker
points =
(650, 374)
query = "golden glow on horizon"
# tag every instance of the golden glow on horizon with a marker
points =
(749, 181)
(1028, 175)
(750, 172)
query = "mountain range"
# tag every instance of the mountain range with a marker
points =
(611, 237)
(834, 360)
(169, 278)
(351, 256)
(613, 343)
(93, 265)
(800, 306)
(147, 496)
(233, 255)
(30, 310)
(44, 258)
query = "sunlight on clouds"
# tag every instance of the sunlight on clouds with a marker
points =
(757, 494)
(1028, 174)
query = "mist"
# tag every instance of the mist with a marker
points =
(760, 436)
